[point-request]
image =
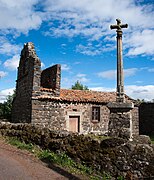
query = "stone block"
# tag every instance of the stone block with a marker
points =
(120, 120)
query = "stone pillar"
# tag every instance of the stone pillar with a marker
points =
(120, 120)
(120, 80)
(120, 76)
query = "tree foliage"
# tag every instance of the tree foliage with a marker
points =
(6, 107)
(79, 86)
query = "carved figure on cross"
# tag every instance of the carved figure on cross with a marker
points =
(120, 80)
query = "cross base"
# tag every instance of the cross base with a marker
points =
(120, 120)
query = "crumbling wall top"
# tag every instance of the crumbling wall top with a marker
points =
(29, 50)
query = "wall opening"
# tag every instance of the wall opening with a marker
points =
(74, 123)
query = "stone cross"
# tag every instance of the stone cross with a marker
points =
(120, 80)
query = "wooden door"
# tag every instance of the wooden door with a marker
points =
(74, 123)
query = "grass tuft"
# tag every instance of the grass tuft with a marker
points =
(61, 159)
(19, 144)
(152, 139)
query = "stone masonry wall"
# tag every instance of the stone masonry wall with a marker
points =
(119, 124)
(56, 114)
(33, 86)
(146, 118)
(51, 77)
(135, 120)
(28, 81)
(114, 156)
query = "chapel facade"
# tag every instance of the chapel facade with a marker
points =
(40, 100)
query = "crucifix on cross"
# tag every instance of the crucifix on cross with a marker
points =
(120, 80)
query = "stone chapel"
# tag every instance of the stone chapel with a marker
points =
(40, 100)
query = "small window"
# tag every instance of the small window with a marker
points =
(95, 113)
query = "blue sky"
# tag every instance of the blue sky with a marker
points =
(76, 34)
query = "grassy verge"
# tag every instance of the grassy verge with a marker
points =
(60, 159)
(152, 139)
(97, 137)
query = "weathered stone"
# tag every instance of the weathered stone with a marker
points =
(120, 120)
(38, 101)
(142, 139)
(112, 142)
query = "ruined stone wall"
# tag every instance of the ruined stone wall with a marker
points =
(56, 114)
(50, 78)
(146, 118)
(28, 81)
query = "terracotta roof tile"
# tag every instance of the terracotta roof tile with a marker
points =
(82, 96)
(87, 96)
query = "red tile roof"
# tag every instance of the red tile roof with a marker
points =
(82, 96)
(87, 96)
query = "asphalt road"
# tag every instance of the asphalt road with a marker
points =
(17, 164)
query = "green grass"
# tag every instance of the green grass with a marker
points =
(61, 159)
(65, 161)
(97, 137)
(19, 144)
(152, 139)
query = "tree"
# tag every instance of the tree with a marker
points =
(139, 101)
(79, 86)
(6, 107)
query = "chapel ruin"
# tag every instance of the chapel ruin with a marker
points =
(40, 100)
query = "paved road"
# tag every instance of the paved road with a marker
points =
(17, 164)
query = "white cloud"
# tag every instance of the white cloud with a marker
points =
(92, 50)
(67, 82)
(111, 74)
(140, 92)
(82, 78)
(7, 48)
(88, 18)
(139, 82)
(42, 65)
(136, 92)
(12, 63)
(103, 89)
(141, 43)
(2, 74)
(91, 19)
(77, 62)
(63, 45)
(130, 72)
(4, 93)
(88, 50)
(65, 67)
(19, 15)
(151, 70)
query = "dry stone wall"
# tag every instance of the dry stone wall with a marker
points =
(114, 156)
